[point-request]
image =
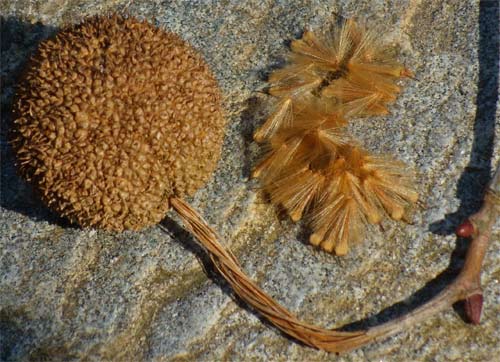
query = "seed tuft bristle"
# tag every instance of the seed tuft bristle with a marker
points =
(313, 167)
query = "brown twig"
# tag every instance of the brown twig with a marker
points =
(465, 287)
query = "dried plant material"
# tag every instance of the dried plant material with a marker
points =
(313, 167)
(91, 128)
(113, 117)
(466, 287)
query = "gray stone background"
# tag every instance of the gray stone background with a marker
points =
(73, 294)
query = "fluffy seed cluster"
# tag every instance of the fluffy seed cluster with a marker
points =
(312, 165)
(113, 117)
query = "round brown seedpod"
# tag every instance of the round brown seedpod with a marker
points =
(112, 118)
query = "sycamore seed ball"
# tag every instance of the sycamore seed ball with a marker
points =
(114, 117)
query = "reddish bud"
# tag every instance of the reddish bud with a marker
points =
(474, 307)
(465, 229)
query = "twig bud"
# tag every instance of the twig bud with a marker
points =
(474, 307)
(465, 229)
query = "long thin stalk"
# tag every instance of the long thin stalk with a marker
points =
(465, 287)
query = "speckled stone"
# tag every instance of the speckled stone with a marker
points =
(72, 294)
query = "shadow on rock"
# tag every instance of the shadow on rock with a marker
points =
(477, 174)
(12, 334)
(251, 118)
(189, 243)
(475, 177)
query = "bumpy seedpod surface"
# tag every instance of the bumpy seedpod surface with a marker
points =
(114, 117)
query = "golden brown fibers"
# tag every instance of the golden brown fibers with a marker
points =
(114, 117)
(313, 168)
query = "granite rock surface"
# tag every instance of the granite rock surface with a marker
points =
(72, 294)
